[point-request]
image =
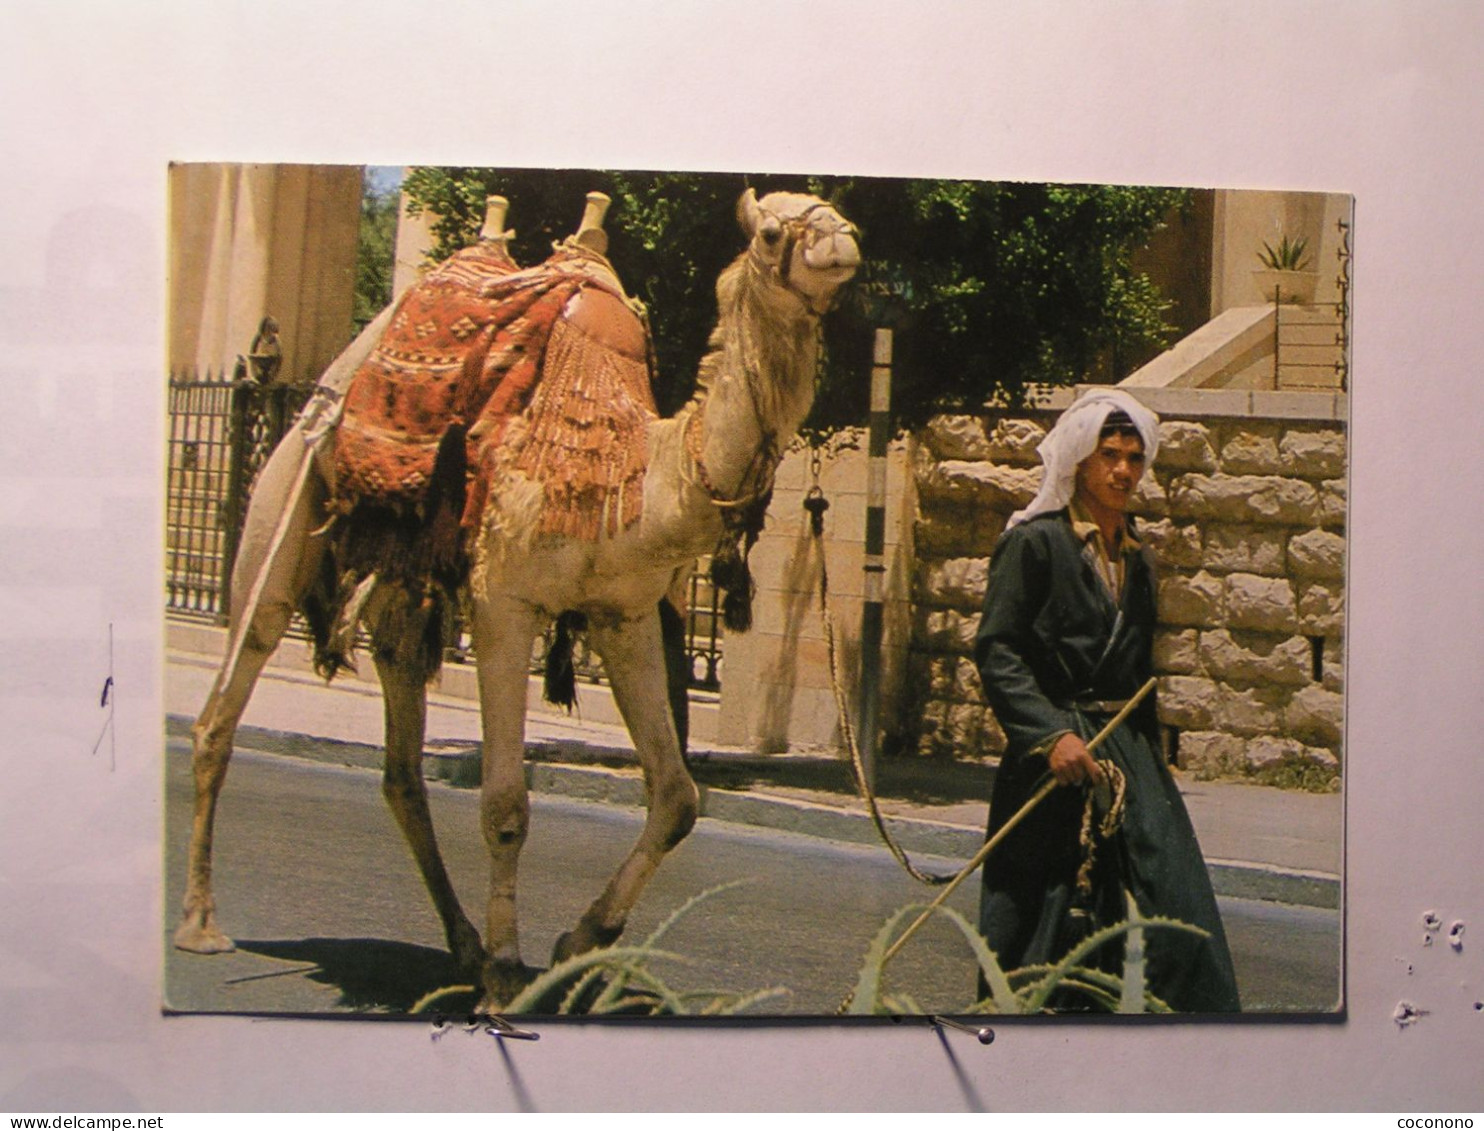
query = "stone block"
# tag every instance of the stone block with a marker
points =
(1149, 499)
(1332, 503)
(1249, 711)
(1015, 441)
(966, 686)
(1267, 604)
(1175, 544)
(1322, 757)
(955, 583)
(1246, 499)
(1252, 449)
(1211, 754)
(948, 530)
(1185, 445)
(957, 437)
(1316, 716)
(964, 724)
(1250, 660)
(930, 722)
(1313, 454)
(1334, 665)
(1175, 652)
(1188, 702)
(1317, 554)
(934, 676)
(1191, 601)
(1321, 610)
(1268, 752)
(944, 630)
(983, 486)
(1245, 549)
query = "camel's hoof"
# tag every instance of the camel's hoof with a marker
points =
(202, 938)
(582, 939)
(466, 948)
(503, 982)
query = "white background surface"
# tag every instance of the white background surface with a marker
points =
(1381, 100)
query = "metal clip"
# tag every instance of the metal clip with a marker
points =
(816, 504)
(984, 1033)
(497, 1026)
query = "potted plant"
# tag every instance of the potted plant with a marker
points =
(1285, 274)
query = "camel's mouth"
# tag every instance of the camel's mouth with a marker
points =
(834, 254)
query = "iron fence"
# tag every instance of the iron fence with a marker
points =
(222, 432)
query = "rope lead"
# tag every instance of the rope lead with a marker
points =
(816, 504)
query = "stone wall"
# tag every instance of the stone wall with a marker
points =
(1248, 517)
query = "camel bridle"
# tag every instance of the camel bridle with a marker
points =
(793, 231)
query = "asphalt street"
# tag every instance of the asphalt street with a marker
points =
(330, 916)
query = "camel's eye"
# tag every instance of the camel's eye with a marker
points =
(771, 231)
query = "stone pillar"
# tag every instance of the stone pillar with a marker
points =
(776, 690)
(253, 240)
(414, 240)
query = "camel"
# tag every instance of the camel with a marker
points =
(705, 484)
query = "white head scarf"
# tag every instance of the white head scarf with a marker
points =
(1075, 437)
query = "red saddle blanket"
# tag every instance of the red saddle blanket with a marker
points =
(460, 361)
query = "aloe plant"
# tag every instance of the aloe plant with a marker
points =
(1028, 989)
(1289, 255)
(619, 980)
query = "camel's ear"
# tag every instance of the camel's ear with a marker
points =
(747, 213)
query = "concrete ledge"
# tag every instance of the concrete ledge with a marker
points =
(1243, 404)
(1226, 344)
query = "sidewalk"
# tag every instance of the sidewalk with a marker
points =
(1260, 843)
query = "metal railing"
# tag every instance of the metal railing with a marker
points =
(221, 433)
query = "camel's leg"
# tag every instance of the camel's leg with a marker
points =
(276, 562)
(633, 657)
(504, 629)
(404, 692)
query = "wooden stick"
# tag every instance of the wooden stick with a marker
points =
(1020, 814)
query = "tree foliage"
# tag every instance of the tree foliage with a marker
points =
(376, 244)
(996, 285)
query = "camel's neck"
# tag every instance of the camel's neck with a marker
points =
(757, 381)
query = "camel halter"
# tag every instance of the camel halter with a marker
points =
(793, 231)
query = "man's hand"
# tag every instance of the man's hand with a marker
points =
(1071, 764)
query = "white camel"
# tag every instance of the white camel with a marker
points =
(715, 458)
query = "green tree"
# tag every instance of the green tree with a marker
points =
(1000, 285)
(375, 252)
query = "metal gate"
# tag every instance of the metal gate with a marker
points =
(221, 433)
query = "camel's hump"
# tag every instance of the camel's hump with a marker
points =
(606, 319)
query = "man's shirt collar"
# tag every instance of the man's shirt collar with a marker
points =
(1085, 529)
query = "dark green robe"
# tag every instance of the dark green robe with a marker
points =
(1051, 641)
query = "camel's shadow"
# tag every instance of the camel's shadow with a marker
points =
(371, 975)
(381, 976)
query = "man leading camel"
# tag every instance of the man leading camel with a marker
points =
(1065, 640)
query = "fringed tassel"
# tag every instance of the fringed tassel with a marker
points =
(729, 569)
(559, 684)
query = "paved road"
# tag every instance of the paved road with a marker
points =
(330, 916)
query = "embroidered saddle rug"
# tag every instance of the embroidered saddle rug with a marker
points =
(475, 346)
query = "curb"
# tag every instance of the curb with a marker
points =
(1237, 879)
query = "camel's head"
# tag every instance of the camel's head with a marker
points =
(801, 241)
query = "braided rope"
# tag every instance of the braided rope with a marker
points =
(847, 731)
(1096, 830)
